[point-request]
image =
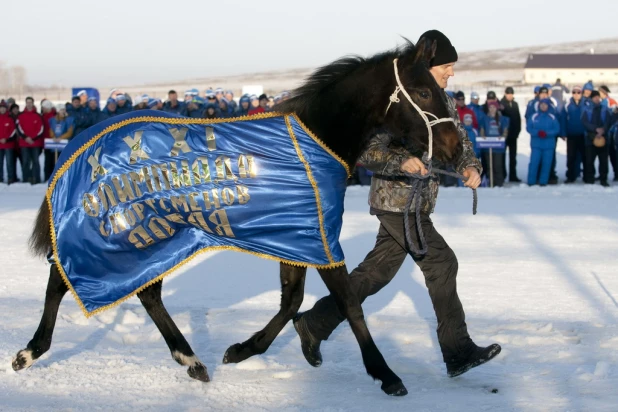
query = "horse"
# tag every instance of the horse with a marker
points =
(344, 103)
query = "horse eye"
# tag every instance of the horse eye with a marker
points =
(424, 95)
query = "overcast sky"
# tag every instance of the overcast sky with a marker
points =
(128, 42)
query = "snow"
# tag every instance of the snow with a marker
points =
(537, 275)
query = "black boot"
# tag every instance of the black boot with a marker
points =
(309, 344)
(478, 357)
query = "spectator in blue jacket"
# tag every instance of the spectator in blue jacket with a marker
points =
(587, 91)
(123, 104)
(572, 129)
(94, 112)
(172, 105)
(210, 111)
(154, 104)
(224, 108)
(596, 120)
(533, 105)
(494, 124)
(81, 120)
(111, 108)
(219, 93)
(544, 128)
(557, 93)
(229, 95)
(195, 108)
(244, 106)
(476, 107)
(473, 134)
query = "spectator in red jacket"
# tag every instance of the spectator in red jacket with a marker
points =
(263, 99)
(7, 143)
(30, 126)
(462, 109)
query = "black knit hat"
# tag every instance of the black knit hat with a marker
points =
(595, 93)
(445, 52)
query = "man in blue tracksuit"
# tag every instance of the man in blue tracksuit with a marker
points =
(596, 119)
(572, 128)
(173, 105)
(557, 92)
(543, 127)
(531, 103)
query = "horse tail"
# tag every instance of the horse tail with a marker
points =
(40, 241)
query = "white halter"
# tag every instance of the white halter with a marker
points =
(423, 114)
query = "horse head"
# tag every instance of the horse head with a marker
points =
(405, 121)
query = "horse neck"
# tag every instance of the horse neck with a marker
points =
(345, 116)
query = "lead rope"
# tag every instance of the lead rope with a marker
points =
(418, 181)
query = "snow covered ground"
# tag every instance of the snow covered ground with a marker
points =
(537, 275)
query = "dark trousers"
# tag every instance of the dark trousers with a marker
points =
(50, 163)
(511, 145)
(439, 266)
(612, 155)
(553, 173)
(498, 166)
(576, 150)
(9, 155)
(30, 168)
(592, 152)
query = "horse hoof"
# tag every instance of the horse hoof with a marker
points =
(395, 389)
(199, 372)
(232, 354)
(23, 360)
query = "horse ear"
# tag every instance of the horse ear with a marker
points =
(425, 51)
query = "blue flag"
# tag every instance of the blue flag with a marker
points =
(138, 195)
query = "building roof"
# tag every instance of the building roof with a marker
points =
(572, 61)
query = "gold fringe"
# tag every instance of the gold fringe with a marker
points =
(78, 152)
(323, 145)
(318, 201)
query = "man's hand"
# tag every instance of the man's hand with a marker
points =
(29, 140)
(414, 165)
(2, 141)
(600, 131)
(474, 179)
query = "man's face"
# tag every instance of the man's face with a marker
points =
(15, 110)
(587, 93)
(263, 103)
(509, 97)
(603, 94)
(543, 107)
(474, 101)
(173, 97)
(577, 95)
(75, 103)
(442, 74)
(461, 101)
(111, 106)
(83, 99)
(92, 104)
(29, 104)
(229, 97)
(2, 110)
(245, 105)
(596, 100)
(543, 96)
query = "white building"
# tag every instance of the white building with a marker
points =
(571, 68)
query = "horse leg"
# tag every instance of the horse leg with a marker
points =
(181, 351)
(338, 283)
(41, 342)
(292, 293)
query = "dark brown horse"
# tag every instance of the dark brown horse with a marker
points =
(343, 103)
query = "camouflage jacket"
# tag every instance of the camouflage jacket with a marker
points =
(389, 187)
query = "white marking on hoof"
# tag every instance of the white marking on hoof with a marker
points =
(186, 360)
(23, 359)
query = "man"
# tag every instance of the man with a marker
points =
(572, 129)
(110, 108)
(30, 128)
(172, 105)
(93, 112)
(439, 265)
(83, 98)
(80, 117)
(462, 109)
(8, 135)
(511, 111)
(123, 105)
(587, 90)
(557, 93)
(596, 120)
(229, 96)
(263, 103)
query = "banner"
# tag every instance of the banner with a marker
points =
(86, 92)
(138, 195)
(490, 142)
(58, 146)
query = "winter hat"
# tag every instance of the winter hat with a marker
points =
(460, 95)
(4, 104)
(47, 104)
(605, 89)
(14, 105)
(576, 88)
(110, 100)
(219, 90)
(537, 89)
(445, 52)
(75, 98)
(595, 93)
(253, 97)
(547, 85)
(474, 95)
(198, 100)
(60, 107)
(543, 90)
(81, 93)
(245, 99)
(93, 98)
(491, 94)
(229, 92)
(588, 86)
(263, 97)
(121, 98)
(509, 90)
(210, 94)
(153, 103)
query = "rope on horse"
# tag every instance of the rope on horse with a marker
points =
(417, 182)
